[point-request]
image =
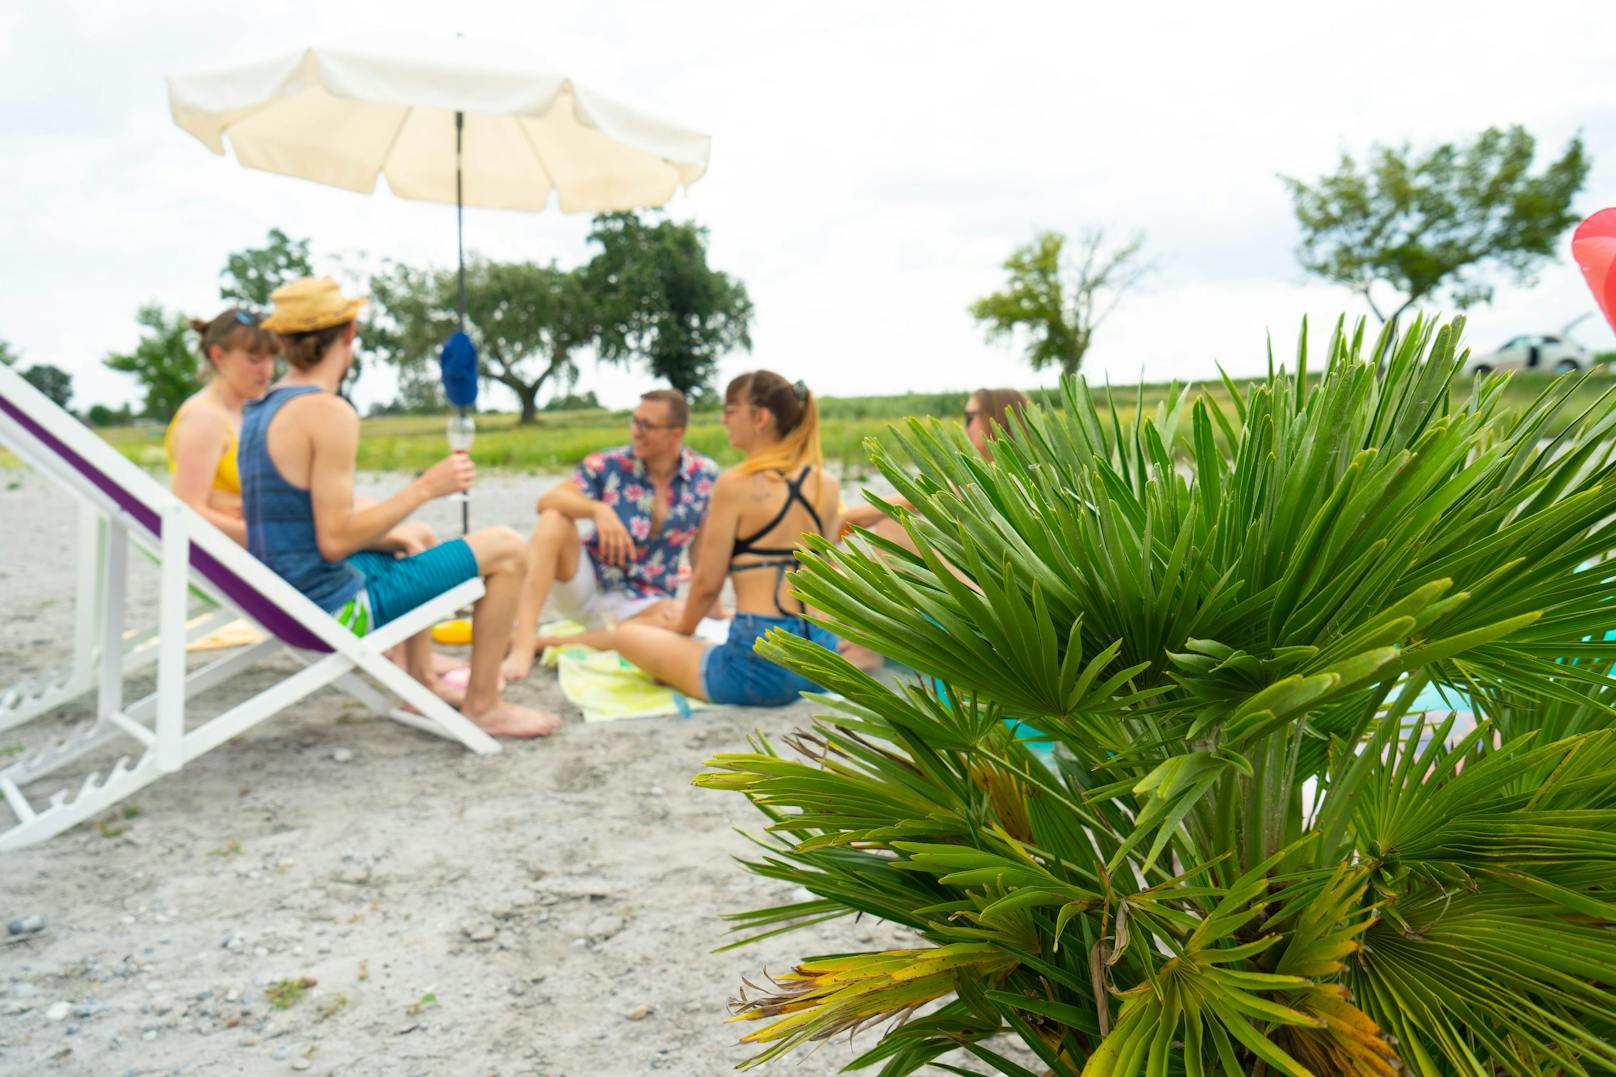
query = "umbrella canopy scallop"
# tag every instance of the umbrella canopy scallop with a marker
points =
(344, 115)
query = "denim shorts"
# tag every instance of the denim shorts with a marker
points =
(396, 585)
(731, 672)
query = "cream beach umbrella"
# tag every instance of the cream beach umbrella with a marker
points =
(459, 121)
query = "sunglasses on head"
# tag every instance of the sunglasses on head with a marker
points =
(246, 317)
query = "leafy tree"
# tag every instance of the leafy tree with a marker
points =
(53, 381)
(1443, 220)
(1226, 848)
(251, 275)
(163, 363)
(528, 321)
(8, 354)
(1059, 301)
(661, 304)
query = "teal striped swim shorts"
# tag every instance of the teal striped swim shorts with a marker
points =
(396, 585)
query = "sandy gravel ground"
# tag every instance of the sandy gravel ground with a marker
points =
(548, 910)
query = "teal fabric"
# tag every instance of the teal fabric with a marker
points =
(396, 585)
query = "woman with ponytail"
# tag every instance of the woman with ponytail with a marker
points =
(761, 511)
(200, 443)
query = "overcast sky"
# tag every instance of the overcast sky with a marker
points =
(872, 164)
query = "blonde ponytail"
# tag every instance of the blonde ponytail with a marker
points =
(796, 418)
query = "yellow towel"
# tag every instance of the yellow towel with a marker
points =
(606, 687)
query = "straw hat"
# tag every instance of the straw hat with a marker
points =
(310, 304)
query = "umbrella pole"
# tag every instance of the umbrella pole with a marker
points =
(460, 219)
(460, 256)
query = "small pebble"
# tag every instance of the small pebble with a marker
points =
(638, 1013)
(302, 1064)
(479, 932)
(341, 755)
(25, 925)
(59, 1011)
(149, 1034)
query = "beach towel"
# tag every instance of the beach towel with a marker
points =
(608, 689)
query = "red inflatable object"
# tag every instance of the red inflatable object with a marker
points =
(1593, 245)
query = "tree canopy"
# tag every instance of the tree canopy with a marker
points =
(1057, 294)
(528, 321)
(251, 275)
(53, 381)
(660, 303)
(647, 296)
(163, 361)
(1446, 220)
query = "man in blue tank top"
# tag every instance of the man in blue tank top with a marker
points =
(296, 458)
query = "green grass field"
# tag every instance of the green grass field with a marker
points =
(560, 439)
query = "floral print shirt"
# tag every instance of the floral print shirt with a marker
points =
(616, 477)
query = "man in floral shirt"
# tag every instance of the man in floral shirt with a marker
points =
(647, 501)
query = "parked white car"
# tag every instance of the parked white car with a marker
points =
(1534, 351)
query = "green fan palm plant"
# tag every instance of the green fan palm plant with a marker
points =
(1246, 853)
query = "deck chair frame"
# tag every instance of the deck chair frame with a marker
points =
(120, 503)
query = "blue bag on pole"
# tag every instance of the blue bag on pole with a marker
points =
(458, 366)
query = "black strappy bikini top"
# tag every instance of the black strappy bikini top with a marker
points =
(779, 557)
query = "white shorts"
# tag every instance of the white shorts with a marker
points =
(584, 600)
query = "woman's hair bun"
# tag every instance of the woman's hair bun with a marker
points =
(198, 325)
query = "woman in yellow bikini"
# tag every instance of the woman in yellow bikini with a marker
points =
(201, 440)
(200, 443)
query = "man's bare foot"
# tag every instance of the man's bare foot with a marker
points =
(518, 664)
(508, 720)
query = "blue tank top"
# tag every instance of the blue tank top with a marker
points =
(280, 516)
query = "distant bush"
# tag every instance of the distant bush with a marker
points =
(574, 402)
(101, 415)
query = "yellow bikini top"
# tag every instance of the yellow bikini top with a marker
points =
(226, 478)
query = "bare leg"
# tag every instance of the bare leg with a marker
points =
(667, 656)
(661, 614)
(502, 560)
(553, 553)
(421, 662)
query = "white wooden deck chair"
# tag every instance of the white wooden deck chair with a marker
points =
(167, 730)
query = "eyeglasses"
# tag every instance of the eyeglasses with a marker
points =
(641, 426)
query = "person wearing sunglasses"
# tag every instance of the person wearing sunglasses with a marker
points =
(238, 358)
(645, 501)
